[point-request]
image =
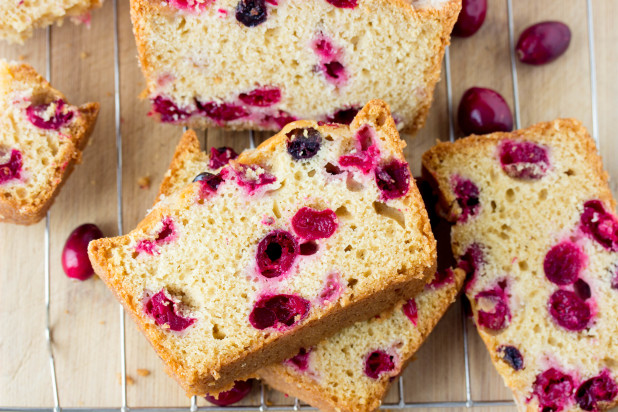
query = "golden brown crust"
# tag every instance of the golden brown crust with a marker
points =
(273, 349)
(79, 131)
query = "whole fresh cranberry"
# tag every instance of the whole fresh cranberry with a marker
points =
(314, 224)
(600, 225)
(251, 13)
(483, 111)
(240, 390)
(165, 311)
(543, 42)
(393, 179)
(553, 389)
(563, 263)
(276, 253)
(12, 168)
(601, 388)
(523, 160)
(75, 261)
(470, 18)
(40, 117)
(569, 310)
(221, 156)
(377, 363)
(281, 311)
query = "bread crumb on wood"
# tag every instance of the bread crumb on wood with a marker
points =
(144, 182)
(130, 380)
(83, 55)
(143, 372)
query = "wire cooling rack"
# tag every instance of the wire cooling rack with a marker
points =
(263, 406)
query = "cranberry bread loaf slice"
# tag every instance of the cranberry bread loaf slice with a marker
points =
(259, 64)
(317, 228)
(536, 231)
(41, 138)
(19, 18)
(352, 370)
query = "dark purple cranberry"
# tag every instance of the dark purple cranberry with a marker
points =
(378, 362)
(221, 156)
(523, 160)
(39, 117)
(75, 261)
(314, 224)
(441, 278)
(496, 302)
(165, 235)
(344, 4)
(470, 18)
(343, 116)
(582, 289)
(308, 248)
(210, 182)
(393, 179)
(543, 42)
(411, 311)
(221, 112)
(601, 388)
(483, 111)
(467, 194)
(276, 253)
(563, 263)
(304, 143)
(251, 13)
(512, 356)
(262, 97)
(569, 310)
(600, 225)
(301, 360)
(279, 311)
(168, 111)
(12, 168)
(470, 261)
(553, 389)
(240, 390)
(164, 310)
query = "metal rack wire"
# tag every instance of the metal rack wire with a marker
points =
(263, 407)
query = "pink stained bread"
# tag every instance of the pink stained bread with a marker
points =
(319, 227)
(536, 231)
(260, 64)
(41, 138)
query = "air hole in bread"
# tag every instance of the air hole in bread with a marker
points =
(352, 282)
(276, 210)
(381, 119)
(570, 172)
(493, 206)
(311, 173)
(523, 265)
(343, 213)
(360, 254)
(216, 333)
(329, 138)
(390, 212)
(347, 248)
(353, 185)
(543, 194)
(332, 169)
(510, 195)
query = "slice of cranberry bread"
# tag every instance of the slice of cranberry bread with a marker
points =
(536, 231)
(352, 370)
(41, 137)
(20, 17)
(260, 64)
(317, 228)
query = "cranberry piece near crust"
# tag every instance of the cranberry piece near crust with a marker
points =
(483, 111)
(209, 182)
(251, 13)
(600, 225)
(553, 389)
(238, 392)
(411, 311)
(165, 235)
(165, 312)
(303, 143)
(377, 363)
(470, 18)
(441, 278)
(470, 261)
(168, 111)
(343, 116)
(75, 261)
(493, 312)
(393, 179)
(221, 156)
(38, 116)
(301, 360)
(563, 263)
(221, 112)
(569, 310)
(279, 310)
(276, 253)
(523, 160)
(543, 42)
(12, 168)
(467, 194)
(314, 224)
(512, 356)
(344, 4)
(601, 388)
(263, 97)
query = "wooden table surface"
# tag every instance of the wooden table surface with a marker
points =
(85, 317)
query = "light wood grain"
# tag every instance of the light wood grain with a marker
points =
(85, 317)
